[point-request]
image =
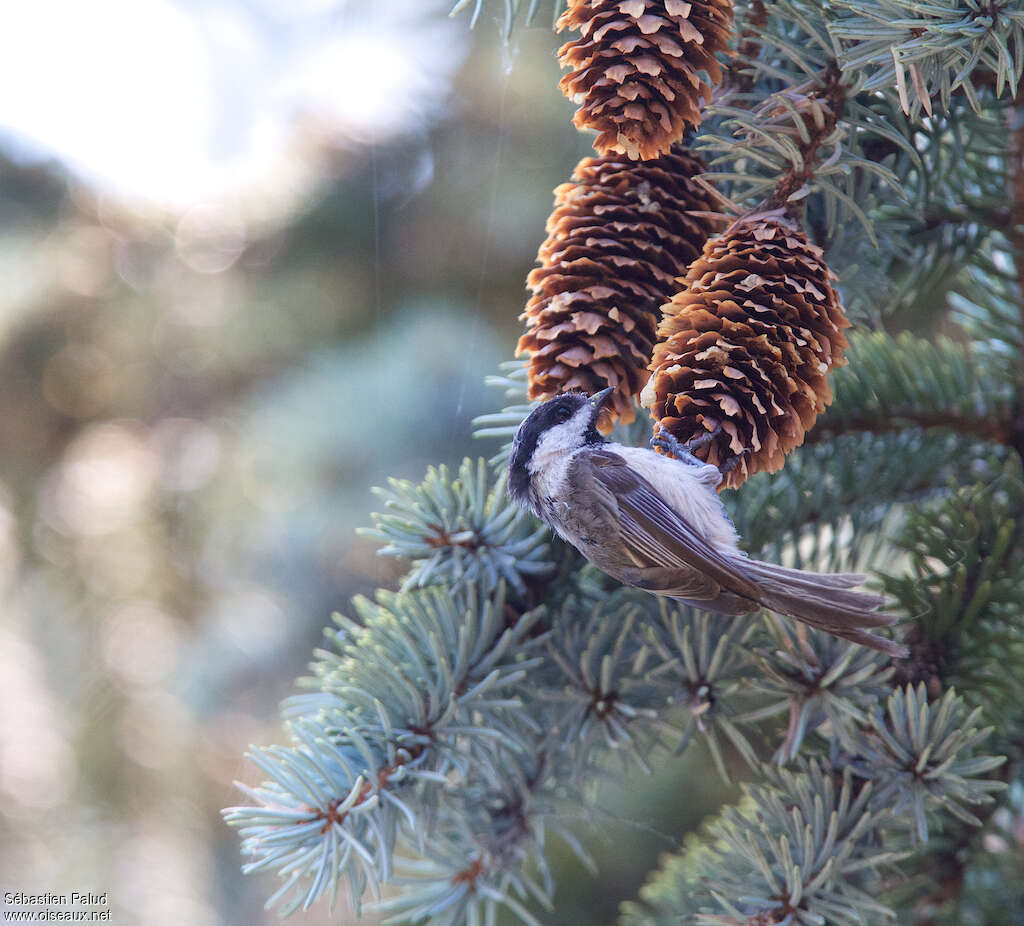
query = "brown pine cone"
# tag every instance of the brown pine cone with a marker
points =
(746, 344)
(636, 69)
(619, 237)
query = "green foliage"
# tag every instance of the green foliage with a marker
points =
(891, 382)
(834, 504)
(946, 201)
(819, 679)
(403, 700)
(805, 845)
(504, 424)
(782, 110)
(986, 302)
(292, 830)
(459, 530)
(707, 661)
(801, 848)
(600, 694)
(965, 586)
(928, 49)
(416, 661)
(434, 688)
(433, 683)
(920, 755)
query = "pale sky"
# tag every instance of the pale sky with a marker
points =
(178, 103)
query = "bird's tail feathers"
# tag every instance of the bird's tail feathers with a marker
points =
(825, 601)
(821, 580)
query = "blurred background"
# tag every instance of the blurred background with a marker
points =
(256, 257)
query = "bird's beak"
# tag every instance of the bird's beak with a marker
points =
(598, 400)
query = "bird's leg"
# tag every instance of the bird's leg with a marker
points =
(671, 444)
(706, 438)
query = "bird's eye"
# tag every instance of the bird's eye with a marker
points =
(564, 413)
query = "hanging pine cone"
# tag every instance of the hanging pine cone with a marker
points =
(618, 238)
(746, 344)
(642, 69)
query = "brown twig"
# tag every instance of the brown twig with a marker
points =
(819, 105)
(470, 875)
(330, 814)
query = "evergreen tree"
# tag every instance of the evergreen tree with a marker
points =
(451, 726)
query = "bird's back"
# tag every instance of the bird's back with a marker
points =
(687, 489)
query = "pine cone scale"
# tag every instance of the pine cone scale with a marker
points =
(642, 70)
(747, 344)
(619, 238)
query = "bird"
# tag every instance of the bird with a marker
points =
(654, 521)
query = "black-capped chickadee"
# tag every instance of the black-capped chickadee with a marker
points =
(657, 523)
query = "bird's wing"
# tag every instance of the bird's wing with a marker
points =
(658, 536)
(674, 557)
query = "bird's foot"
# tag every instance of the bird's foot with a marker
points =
(664, 440)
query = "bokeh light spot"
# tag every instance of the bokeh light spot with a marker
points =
(209, 239)
(140, 644)
(102, 483)
(37, 765)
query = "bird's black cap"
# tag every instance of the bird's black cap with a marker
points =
(547, 415)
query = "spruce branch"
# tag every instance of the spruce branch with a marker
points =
(805, 845)
(600, 697)
(640, 676)
(460, 530)
(891, 382)
(965, 586)
(798, 849)
(405, 699)
(933, 222)
(514, 383)
(817, 107)
(986, 303)
(941, 47)
(706, 663)
(475, 859)
(414, 667)
(318, 819)
(791, 124)
(828, 507)
(965, 867)
(750, 26)
(819, 680)
(921, 757)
